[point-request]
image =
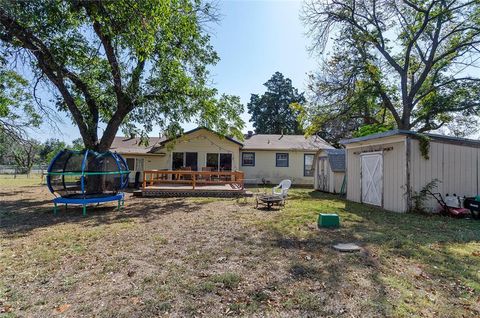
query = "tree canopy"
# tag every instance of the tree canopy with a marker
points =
(405, 63)
(16, 111)
(120, 64)
(271, 113)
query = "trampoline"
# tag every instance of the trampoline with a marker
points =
(87, 177)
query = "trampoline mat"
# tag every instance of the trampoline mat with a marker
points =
(88, 196)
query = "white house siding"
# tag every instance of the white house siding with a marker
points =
(202, 141)
(456, 166)
(151, 162)
(265, 167)
(394, 171)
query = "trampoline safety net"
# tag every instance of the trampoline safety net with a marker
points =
(87, 174)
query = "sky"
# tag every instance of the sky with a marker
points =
(254, 39)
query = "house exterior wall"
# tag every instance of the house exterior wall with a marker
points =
(394, 171)
(151, 162)
(455, 166)
(265, 167)
(202, 141)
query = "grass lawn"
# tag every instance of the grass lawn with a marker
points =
(9, 181)
(215, 257)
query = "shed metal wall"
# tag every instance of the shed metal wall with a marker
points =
(456, 166)
(394, 171)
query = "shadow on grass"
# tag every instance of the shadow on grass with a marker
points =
(438, 245)
(20, 216)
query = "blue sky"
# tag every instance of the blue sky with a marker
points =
(254, 39)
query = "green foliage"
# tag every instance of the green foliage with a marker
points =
(344, 98)
(50, 149)
(16, 110)
(403, 59)
(125, 64)
(77, 144)
(276, 111)
(372, 129)
(424, 144)
(420, 198)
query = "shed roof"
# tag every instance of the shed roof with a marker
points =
(336, 159)
(397, 132)
(284, 142)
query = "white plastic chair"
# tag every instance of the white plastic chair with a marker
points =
(283, 186)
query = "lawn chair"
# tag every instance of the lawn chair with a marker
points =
(276, 198)
(283, 187)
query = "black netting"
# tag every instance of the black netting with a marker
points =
(87, 174)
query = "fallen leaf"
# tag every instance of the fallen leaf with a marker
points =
(63, 308)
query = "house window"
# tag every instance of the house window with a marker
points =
(182, 160)
(177, 160)
(135, 164)
(248, 159)
(281, 160)
(131, 163)
(219, 161)
(308, 165)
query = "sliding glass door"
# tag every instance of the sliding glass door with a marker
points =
(219, 161)
(185, 160)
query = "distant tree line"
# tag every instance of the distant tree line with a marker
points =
(25, 153)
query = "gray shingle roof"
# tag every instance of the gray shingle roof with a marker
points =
(128, 145)
(284, 142)
(336, 158)
(255, 142)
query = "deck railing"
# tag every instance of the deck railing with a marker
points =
(193, 178)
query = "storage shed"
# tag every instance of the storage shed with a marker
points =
(386, 169)
(330, 170)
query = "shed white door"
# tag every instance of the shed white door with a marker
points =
(372, 178)
(322, 174)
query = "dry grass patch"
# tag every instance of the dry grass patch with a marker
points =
(217, 257)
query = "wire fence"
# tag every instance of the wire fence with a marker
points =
(16, 170)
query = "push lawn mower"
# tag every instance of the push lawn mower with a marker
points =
(457, 212)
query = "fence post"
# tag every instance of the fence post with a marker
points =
(193, 180)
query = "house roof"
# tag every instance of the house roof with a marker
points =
(199, 128)
(284, 142)
(336, 158)
(400, 132)
(255, 142)
(128, 145)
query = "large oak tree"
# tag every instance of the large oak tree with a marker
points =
(415, 59)
(125, 63)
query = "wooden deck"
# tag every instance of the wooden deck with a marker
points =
(158, 183)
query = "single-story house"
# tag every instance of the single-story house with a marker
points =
(387, 169)
(329, 173)
(263, 158)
